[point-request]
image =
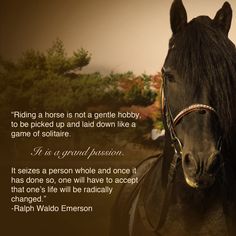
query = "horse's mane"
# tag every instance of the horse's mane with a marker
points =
(206, 58)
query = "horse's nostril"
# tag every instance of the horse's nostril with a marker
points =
(189, 161)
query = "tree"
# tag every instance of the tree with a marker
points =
(60, 63)
(56, 58)
(81, 59)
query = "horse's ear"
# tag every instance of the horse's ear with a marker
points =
(178, 16)
(223, 18)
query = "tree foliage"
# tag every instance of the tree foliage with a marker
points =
(58, 61)
(81, 58)
(52, 81)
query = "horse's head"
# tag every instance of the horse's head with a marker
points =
(197, 89)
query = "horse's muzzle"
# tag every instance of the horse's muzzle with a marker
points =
(200, 172)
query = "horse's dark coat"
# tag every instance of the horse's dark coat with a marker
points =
(201, 68)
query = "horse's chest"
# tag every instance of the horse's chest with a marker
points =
(183, 221)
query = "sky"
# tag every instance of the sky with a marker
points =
(121, 35)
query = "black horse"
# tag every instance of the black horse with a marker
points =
(191, 188)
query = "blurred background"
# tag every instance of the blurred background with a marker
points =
(76, 56)
(121, 35)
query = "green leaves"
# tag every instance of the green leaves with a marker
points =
(52, 81)
(58, 61)
(80, 59)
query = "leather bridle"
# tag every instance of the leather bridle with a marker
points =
(171, 123)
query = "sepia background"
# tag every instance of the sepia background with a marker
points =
(124, 43)
(121, 35)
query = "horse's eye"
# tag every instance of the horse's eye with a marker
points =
(170, 77)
